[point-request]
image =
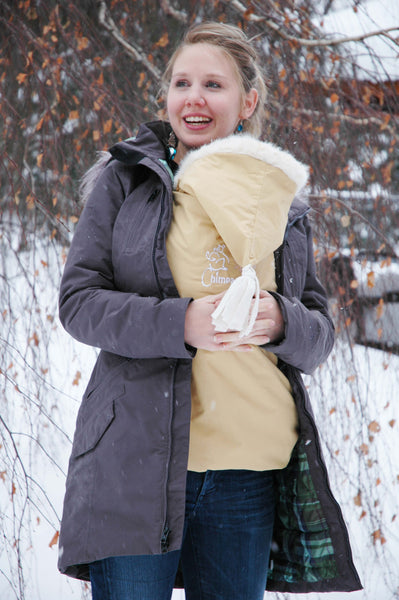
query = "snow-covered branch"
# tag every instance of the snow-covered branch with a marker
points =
(278, 28)
(179, 15)
(352, 211)
(108, 23)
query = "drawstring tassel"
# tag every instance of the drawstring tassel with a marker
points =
(239, 306)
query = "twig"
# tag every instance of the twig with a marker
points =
(254, 18)
(360, 121)
(180, 15)
(354, 212)
(108, 23)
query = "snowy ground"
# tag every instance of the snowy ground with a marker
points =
(44, 373)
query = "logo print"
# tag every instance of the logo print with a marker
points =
(216, 272)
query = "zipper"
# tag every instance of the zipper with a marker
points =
(154, 246)
(161, 213)
(164, 540)
(165, 533)
(279, 267)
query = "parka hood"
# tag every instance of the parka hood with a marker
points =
(246, 144)
(151, 141)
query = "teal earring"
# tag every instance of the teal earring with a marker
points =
(172, 145)
(239, 127)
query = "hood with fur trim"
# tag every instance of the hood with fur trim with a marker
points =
(246, 144)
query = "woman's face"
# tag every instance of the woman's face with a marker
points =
(205, 101)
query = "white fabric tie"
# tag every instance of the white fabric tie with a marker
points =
(236, 311)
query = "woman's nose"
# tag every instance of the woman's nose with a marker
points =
(194, 97)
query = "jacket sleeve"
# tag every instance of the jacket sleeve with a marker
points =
(309, 330)
(93, 311)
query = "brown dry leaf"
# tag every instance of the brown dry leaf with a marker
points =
(370, 279)
(83, 42)
(34, 338)
(163, 41)
(21, 77)
(364, 449)
(376, 535)
(141, 79)
(380, 309)
(358, 499)
(107, 126)
(40, 124)
(374, 426)
(78, 375)
(334, 98)
(54, 539)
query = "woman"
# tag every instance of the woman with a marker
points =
(135, 519)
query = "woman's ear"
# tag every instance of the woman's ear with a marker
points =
(249, 105)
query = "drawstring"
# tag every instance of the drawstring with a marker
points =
(239, 306)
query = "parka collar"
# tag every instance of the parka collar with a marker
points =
(151, 141)
(298, 209)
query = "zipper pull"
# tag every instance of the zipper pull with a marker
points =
(165, 539)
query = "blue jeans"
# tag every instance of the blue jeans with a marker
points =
(225, 551)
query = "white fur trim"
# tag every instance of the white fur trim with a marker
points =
(250, 146)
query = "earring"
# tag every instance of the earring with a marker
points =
(239, 127)
(172, 144)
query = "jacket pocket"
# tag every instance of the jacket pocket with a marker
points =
(94, 424)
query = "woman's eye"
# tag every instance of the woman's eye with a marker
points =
(213, 84)
(181, 83)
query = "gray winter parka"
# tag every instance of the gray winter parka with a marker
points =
(125, 490)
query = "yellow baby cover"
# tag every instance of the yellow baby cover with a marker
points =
(245, 187)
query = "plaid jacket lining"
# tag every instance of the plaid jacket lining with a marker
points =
(303, 550)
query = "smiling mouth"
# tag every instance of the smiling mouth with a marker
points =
(197, 120)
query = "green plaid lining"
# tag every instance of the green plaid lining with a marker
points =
(303, 549)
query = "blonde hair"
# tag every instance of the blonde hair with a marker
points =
(238, 48)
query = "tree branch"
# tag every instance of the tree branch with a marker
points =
(360, 121)
(179, 15)
(254, 18)
(354, 212)
(108, 23)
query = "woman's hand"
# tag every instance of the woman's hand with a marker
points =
(269, 326)
(199, 331)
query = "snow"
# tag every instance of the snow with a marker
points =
(368, 17)
(44, 373)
